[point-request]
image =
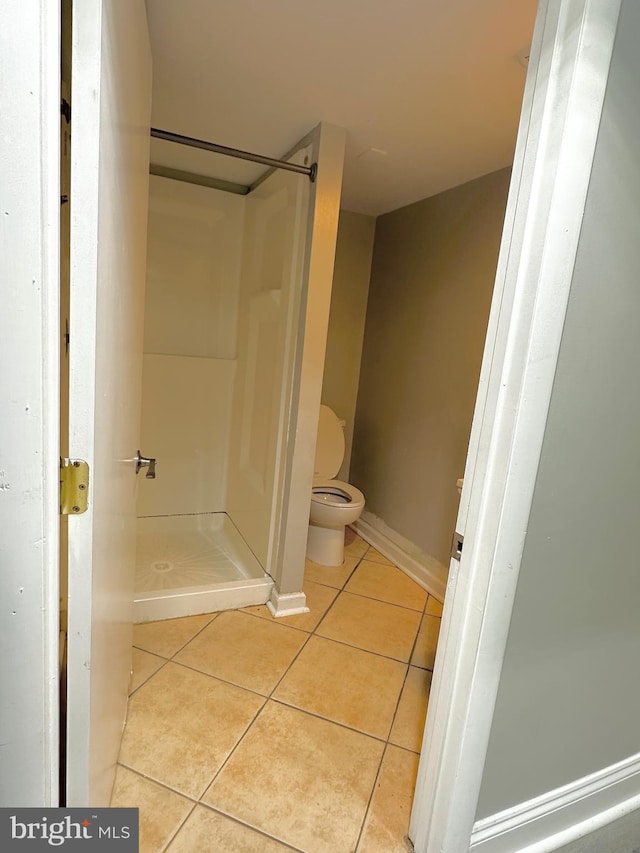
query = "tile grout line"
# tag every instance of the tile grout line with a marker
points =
(403, 748)
(214, 616)
(371, 796)
(395, 713)
(406, 675)
(339, 593)
(388, 742)
(317, 716)
(197, 634)
(231, 752)
(384, 601)
(243, 823)
(293, 660)
(158, 782)
(360, 649)
(351, 645)
(404, 575)
(174, 834)
(414, 645)
(216, 678)
(165, 661)
(165, 787)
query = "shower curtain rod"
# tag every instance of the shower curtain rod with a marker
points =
(310, 171)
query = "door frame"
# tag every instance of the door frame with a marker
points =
(29, 394)
(562, 106)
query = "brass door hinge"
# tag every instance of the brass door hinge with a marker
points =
(74, 486)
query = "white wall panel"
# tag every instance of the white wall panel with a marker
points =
(193, 264)
(191, 318)
(185, 425)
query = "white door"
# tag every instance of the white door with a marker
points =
(111, 97)
(269, 319)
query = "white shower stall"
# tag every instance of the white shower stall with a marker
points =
(225, 299)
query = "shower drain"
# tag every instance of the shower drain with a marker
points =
(162, 565)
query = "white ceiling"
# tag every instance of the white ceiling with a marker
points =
(436, 84)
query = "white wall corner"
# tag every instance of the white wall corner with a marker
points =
(287, 604)
(564, 815)
(424, 569)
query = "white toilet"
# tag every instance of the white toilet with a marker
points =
(334, 504)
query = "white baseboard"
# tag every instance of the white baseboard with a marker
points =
(426, 571)
(287, 604)
(564, 815)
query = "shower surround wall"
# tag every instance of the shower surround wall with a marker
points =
(191, 316)
(223, 322)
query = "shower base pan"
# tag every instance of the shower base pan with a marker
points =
(192, 564)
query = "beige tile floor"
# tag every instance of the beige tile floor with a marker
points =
(246, 733)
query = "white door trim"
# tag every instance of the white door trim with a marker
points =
(565, 90)
(29, 400)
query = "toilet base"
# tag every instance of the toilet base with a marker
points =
(325, 545)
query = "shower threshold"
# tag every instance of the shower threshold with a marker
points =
(192, 564)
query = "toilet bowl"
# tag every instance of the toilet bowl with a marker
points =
(334, 504)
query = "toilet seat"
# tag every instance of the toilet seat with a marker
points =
(336, 493)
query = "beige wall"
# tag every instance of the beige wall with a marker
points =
(346, 321)
(434, 265)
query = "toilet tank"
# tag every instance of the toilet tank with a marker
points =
(330, 445)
